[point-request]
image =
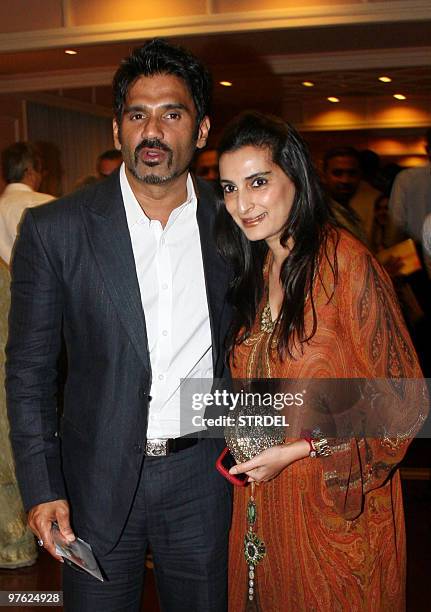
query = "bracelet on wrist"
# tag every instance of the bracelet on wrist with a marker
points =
(319, 447)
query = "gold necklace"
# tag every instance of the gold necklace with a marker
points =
(266, 323)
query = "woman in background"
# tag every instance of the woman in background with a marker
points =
(311, 302)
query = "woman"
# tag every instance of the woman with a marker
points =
(310, 302)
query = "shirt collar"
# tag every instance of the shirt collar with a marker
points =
(17, 187)
(134, 212)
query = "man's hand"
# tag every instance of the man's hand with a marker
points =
(270, 462)
(40, 519)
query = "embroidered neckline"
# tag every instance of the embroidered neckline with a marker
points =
(266, 323)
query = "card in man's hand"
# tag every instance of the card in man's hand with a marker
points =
(77, 552)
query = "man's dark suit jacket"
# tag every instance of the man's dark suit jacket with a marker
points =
(73, 274)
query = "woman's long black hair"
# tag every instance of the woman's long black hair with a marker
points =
(309, 225)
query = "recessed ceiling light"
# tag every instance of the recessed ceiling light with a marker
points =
(226, 83)
(400, 97)
(333, 99)
(70, 52)
(385, 79)
(308, 83)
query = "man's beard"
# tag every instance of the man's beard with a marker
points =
(153, 179)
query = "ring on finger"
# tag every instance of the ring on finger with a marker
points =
(40, 542)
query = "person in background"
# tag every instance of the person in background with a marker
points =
(426, 242)
(409, 204)
(341, 178)
(206, 165)
(108, 162)
(17, 543)
(126, 271)
(311, 302)
(410, 200)
(21, 168)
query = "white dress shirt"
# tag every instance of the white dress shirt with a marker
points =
(426, 243)
(14, 200)
(172, 284)
(410, 202)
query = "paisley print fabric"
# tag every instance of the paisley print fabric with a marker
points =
(334, 526)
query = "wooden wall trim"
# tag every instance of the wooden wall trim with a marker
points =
(213, 23)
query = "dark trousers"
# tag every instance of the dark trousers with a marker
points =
(182, 510)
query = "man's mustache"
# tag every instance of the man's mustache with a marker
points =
(152, 143)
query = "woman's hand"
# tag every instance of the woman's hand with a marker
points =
(270, 462)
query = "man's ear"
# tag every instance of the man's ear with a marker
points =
(204, 129)
(116, 133)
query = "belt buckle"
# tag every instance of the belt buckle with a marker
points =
(156, 447)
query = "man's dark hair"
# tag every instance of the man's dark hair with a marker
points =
(110, 154)
(17, 158)
(159, 57)
(341, 152)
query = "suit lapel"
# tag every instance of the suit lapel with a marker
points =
(106, 224)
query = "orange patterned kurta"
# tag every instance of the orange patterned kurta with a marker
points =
(333, 526)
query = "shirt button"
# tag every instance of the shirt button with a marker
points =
(165, 286)
(161, 377)
(165, 332)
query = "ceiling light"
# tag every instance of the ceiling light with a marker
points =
(70, 52)
(400, 97)
(385, 79)
(308, 83)
(333, 99)
(226, 83)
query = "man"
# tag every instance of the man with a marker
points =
(353, 200)
(410, 200)
(206, 165)
(426, 242)
(108, 162)
(21, 167)
(127, 271)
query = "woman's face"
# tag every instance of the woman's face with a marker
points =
(257, 193)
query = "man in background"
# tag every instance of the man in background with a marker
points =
(107, 162)
(410, 200)
(342, 177)
(22, 171)
(409, 205)
(206, 165)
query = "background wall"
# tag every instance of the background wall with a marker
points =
(79, 138)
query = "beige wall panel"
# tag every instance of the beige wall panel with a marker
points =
(26, 15)
(326, 116)
(416, 111)
(233, 6)
(10, 124)
(90, 12)
(364, 113)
